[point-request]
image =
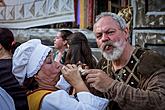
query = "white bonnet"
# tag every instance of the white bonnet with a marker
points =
(28, 58)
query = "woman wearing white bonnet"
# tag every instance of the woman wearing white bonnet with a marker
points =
(33, 67)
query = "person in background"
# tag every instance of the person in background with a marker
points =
(6, 101)
(132, 77)
(35, 68)
(78, 53)
(7, 80)
(60, 44)
(79, 50)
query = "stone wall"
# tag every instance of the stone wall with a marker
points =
(149, 24)
(47, 36)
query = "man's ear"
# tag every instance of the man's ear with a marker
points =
(126, 33)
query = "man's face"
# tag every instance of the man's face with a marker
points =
(58, 41)
(110, 38)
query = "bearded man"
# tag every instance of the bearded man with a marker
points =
(132, 78)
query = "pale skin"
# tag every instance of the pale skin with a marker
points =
(107, 29)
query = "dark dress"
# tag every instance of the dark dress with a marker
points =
(11, 85)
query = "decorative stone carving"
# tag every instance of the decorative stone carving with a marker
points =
(149, 13)
(30, 13)
(149, 24)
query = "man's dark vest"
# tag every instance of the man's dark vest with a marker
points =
(130, 74)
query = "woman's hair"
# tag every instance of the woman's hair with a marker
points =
(7, 39)
(65, 34)
(79, 50)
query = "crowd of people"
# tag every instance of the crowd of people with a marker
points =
(33, 77)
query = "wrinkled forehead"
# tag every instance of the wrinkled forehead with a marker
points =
(104, 23)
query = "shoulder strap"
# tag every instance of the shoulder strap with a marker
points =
(35, 98)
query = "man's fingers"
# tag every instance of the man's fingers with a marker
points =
(91, 80)
(92, 71)
(89, 75)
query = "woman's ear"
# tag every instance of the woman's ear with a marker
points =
(65, 42)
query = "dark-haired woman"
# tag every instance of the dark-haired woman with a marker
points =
(7, 80)
(60, 44)
(79, 51)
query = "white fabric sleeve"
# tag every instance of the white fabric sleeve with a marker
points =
(63, 84)
(88, 98)
(61, 100)
(6, 101)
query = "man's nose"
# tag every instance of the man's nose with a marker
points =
(105, 37)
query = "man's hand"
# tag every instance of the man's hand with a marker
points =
(98, 79)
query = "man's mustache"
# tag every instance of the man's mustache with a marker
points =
(107, 43)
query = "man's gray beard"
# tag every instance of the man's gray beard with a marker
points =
(116, 52)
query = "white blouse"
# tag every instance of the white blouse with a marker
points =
(61, 100)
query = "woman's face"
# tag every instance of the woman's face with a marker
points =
(59, 42)
(50, 71)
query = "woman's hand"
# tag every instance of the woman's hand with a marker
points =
(72, 75)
